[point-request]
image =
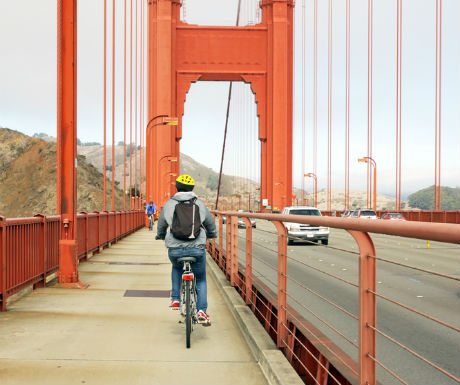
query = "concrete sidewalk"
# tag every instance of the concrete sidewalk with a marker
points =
(100, 336)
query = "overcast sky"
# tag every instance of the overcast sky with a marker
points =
(28, 87)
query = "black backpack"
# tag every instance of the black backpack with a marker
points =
(186, 221)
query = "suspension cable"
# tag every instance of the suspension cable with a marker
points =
(105, 108)
(226, 118)
(113, 105)
(124, 114)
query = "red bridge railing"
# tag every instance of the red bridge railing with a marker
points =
(312, 353)
(438, 216)
(29, 247)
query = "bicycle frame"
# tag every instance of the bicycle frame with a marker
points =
(188, 275)
(188, 300)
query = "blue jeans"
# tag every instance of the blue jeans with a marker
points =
(198, 268)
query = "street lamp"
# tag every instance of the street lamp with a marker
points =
(368, 159)
(260, 199)
(249, 199)
(239, 200)
(164, 120)
(159, 179)
(311, 175)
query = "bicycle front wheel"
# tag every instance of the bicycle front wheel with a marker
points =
(188, 312)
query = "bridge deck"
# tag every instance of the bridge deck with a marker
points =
(100, 336)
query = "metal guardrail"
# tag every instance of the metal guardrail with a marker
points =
(439, 216)
(29, 247)
(315, 357)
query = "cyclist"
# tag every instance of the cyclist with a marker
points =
(194, 248)
(150, 210)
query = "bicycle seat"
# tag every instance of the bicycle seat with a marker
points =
(186, 259)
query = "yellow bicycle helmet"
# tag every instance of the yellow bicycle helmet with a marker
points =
(185, 183)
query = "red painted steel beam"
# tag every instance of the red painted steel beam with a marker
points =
(67, 138)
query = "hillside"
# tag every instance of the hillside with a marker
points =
(206, 179)
(357, 200)
(424, 199)
(28, 178)
(28, 169)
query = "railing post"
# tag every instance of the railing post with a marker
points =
(228, 248)
(234, 278)
(98, 231)
(367, 307)
(43, 245)
(221, 241)
(2, 264)
(248, 275)
(282, 284)
(85, 237)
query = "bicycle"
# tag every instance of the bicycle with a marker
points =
(188, 298)
(150, 221)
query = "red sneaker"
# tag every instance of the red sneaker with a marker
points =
(203, 318)
(174, 305)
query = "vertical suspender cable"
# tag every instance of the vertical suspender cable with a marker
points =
(315, 90)
(226, 119)
(369, 97)
(124, 114)
(105, 108)
(131, 113)
(397, 108)
(400, 100)
(141, 120)
(437, 172)
(303, 99)
(135, 112)
(347, 109)
(113, 105)
(329, 106)
(398, 103)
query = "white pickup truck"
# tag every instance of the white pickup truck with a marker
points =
(298, 231)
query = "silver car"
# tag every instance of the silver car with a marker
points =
(302, 231)
(364, 214)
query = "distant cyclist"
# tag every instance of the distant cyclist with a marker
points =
(174, 215)
(150, 210)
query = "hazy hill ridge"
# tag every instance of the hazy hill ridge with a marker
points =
(28, 171)
(28, 178)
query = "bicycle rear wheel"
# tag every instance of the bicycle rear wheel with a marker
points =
(188, 313)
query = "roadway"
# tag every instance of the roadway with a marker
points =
(430, 294)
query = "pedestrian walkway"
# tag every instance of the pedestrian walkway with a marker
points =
(120, 330)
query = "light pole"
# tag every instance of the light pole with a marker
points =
(249, 199)
(311, 175)
(165, 120)
(239, 200)
(368, 159)
(159, 181)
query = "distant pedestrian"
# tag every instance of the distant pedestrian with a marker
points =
(150, 210)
